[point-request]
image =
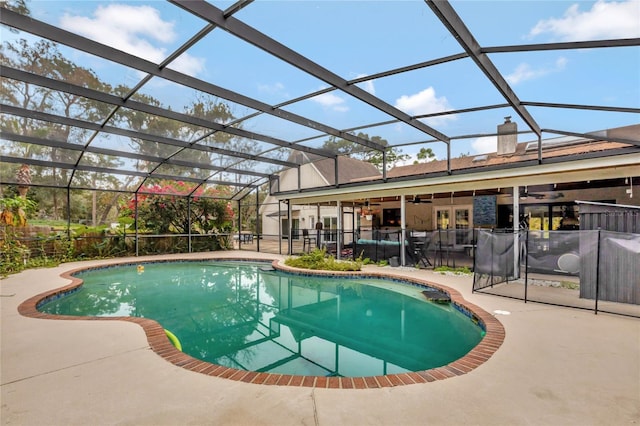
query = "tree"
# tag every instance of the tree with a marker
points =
(357, 151)
(163, 209)
(19, 6)
(424, 154)
(44, 58)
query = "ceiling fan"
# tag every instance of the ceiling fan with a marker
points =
(367, 203)
(417, 200)
(540, 195)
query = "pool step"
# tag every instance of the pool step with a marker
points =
(436, 296)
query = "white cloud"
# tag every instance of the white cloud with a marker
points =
(366, 85)
(425, 102)
(187, 64)
(137, 30)
(524, 71)
(485, 145)
(605, 20)
(331, 101)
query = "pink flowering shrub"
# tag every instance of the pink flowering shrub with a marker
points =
(163, 208)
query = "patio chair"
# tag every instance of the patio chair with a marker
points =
(307, 241)
(418, 248)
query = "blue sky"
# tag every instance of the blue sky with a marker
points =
(359, 38)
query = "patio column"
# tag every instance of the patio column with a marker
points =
(318, 226)
(279, 228)
(289, 231)
(339, 233)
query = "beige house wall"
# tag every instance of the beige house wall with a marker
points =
(309, 178)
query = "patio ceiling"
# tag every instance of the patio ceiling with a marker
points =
(452, 51)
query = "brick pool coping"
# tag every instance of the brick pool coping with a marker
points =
(160, 344)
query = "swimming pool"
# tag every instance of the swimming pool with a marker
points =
(243, 316)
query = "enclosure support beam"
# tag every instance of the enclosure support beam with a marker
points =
(456, 26)
(271, 46)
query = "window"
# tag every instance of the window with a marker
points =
(391, 217)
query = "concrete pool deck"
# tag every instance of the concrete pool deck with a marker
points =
(556, 366)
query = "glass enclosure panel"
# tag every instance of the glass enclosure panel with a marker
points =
(181, 171)
(278, 128)
(136, 145)
(303, 27)
(190, 101)
(96, 208)
(156, 125)
(247, 70)
(159, 186)
(84, 69)
(228, 142)
(114, 179)
(347, 111)
(40, 175)
(43, 129)
(20, 150)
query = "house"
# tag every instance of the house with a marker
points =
(314, 172)
(533, 184)
(479, 191)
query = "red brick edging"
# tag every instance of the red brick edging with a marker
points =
(161, 345)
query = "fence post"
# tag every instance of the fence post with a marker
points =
(440, 244)
(474, 247)
(239, 225)
(258, 220)
(189, 222)
(69, 213)
(506, 268)
(526, 264)
(492, 258)
(137, 230)
(597, 272)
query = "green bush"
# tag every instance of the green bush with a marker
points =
(464, 270)
(318, 260)
(15, 255)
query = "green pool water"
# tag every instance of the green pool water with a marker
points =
(238, 315)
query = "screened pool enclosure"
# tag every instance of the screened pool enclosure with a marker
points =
(171, 123)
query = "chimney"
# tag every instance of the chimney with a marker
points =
(507, 137)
